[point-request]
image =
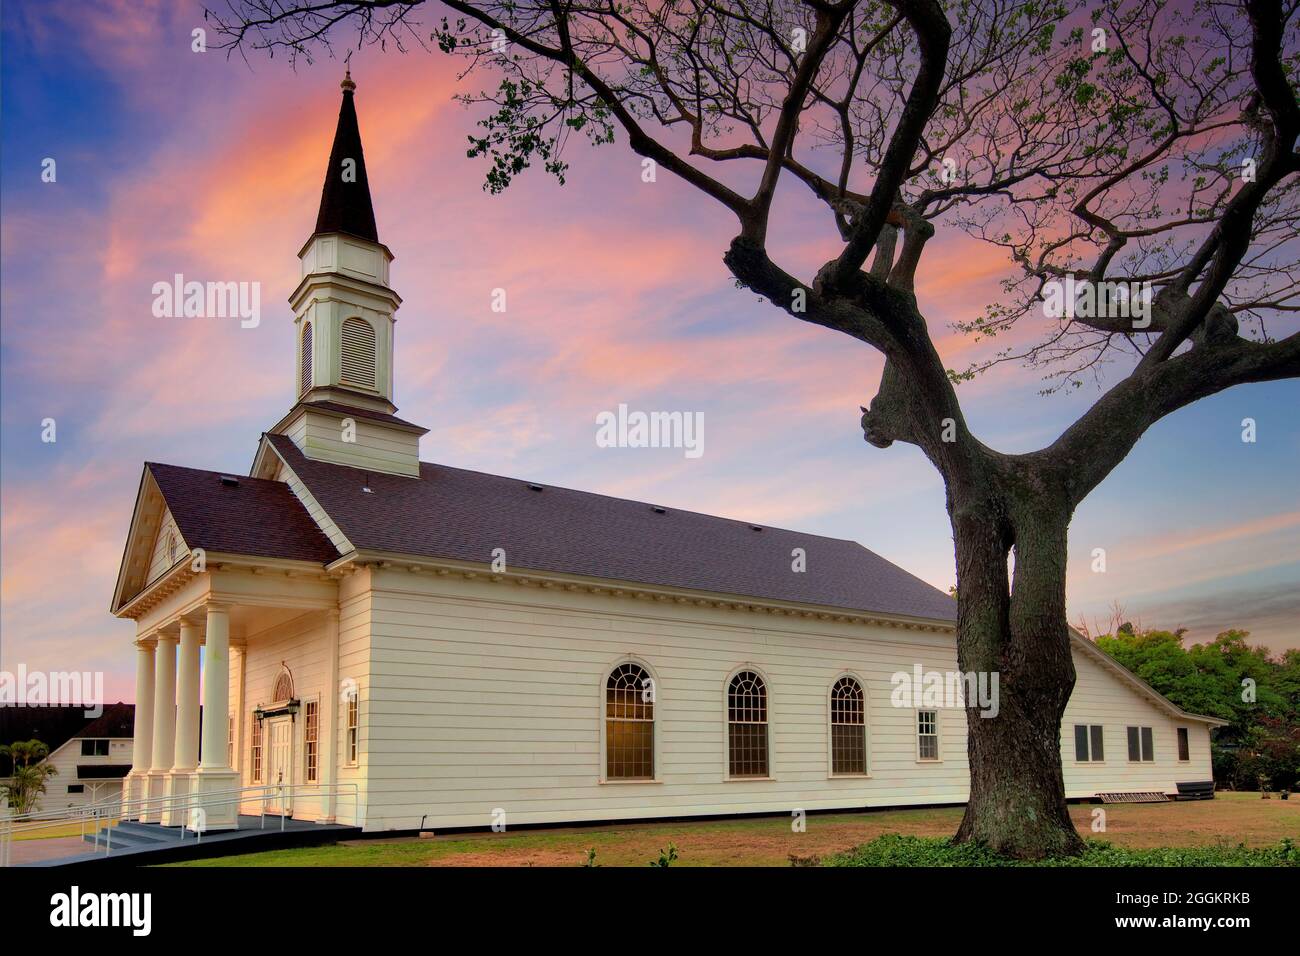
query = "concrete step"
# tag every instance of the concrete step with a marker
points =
(130, 833)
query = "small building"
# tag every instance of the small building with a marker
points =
(91, 763)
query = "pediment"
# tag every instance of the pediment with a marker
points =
(154, 544)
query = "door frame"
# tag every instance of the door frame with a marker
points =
(275, 805)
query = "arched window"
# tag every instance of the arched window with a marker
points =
(357, 349)
(629, 724)
(304, 360)
(848, 727)
(747, 726)
(283, 689)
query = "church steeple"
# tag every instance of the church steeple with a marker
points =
(345, 204)
(345, 313)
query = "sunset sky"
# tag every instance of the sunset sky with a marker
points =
(172, 162)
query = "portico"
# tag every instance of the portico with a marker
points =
(191, 699)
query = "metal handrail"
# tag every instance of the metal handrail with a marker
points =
(127, 809)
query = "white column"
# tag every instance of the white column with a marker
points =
(134, 786)
(142, 753)
(185, 753)
(215, 783)
(238, 661)
(164, 718)
(328, 732)
(187, 699)
(216, 689)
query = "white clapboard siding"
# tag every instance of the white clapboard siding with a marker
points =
(478, 696)
(1099, 698)
(66, 759)
(301, 645)
(160, 560)
(376, 447)
(487, 696)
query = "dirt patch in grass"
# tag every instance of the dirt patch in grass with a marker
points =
(1230, 818)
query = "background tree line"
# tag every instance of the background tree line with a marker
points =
(1259, 693)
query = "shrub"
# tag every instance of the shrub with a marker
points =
(896, 850)
(666, 857)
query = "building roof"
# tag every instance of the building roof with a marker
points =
(117, 720)
(463, 515)
(358, 412)
(223, 513)
(345, 201)
(51, 724)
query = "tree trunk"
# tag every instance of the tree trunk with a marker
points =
(1018, 631)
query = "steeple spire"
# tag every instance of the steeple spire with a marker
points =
(345, 198)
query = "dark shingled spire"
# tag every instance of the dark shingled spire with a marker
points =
(345, 206)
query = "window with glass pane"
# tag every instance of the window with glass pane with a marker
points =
(848, 727)
(927, 734)
(1141, 745)
(747, 726)
(354, 721)
(255, 748)
(1184, 748)
(629, 724)
(1087, 743)
(309, 736)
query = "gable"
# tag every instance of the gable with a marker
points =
(143, 539)
(1095, 660)
(218, 513)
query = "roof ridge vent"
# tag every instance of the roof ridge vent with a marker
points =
(533, 487)
(659, 510)
(230, 481)
(755, 527)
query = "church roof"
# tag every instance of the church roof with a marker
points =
(345, 199)
(228, 514)
(463, 515)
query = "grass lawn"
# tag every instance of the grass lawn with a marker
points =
(72, 829)
(1230, 818)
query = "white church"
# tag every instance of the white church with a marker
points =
(391, 643)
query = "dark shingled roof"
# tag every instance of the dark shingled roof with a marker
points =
(51, 724)
(117, 720)
(463, 515)
(356, 412)
(255, 517)
(346, 206)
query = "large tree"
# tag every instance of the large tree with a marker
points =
(1142, 142)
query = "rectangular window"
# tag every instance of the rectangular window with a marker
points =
(354, 719)
(310, 731)
(94, 748)
(230, 740)
(76, 788)
(1141, 746)
(1087, 743)
(255, 749)
(1184, 746)
(927, 734)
